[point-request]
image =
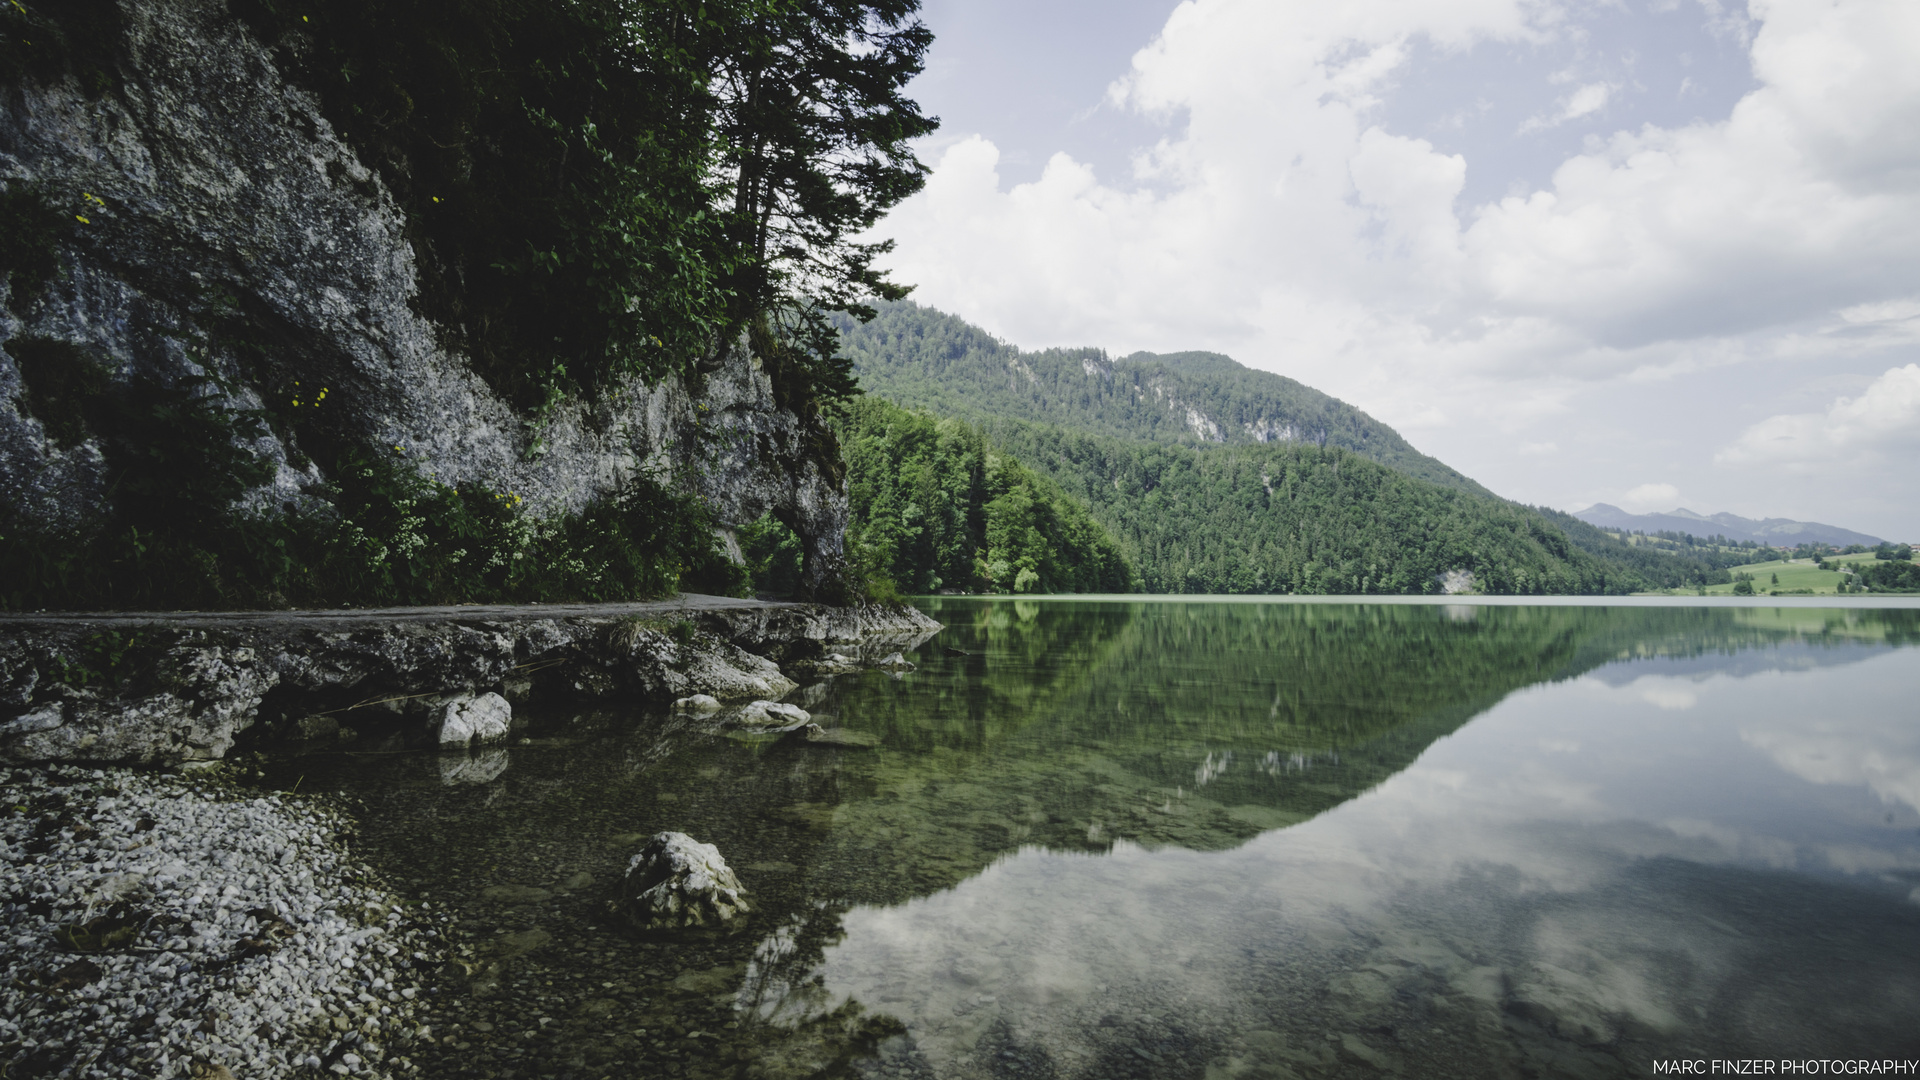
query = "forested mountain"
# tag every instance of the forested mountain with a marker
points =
(1292, 518)
(1214, 478)
(935, 507)
(926, 359)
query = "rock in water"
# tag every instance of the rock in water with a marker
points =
(772, 714)
(481, 719)
(697, 703)
(678, 882)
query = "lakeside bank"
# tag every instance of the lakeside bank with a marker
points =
(168, 919)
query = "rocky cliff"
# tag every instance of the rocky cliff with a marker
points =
(206, 232)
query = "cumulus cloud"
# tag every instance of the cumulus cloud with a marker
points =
(1585, 101)
(1284, 213)
(1886, 417)
(1282, 220)
(1650, 497)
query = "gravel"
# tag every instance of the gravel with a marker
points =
(161, 925)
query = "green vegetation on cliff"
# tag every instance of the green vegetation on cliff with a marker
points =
(608, 187)
(593, 191)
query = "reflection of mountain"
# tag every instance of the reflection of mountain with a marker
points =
(1071, 725)
(1063, 725)
(1786, 656)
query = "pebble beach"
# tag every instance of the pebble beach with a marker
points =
(172, 925)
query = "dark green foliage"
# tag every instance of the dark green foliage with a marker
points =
(774, 556)
(62, 384)
(815, 131)
(1890, 576)
(1893, 551)
(550, 160)
(48, 40)
(31, 227)
(1291, 518)
(924, 359)
(610, 187)
(935, 507)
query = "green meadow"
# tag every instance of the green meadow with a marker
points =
(1795, 577)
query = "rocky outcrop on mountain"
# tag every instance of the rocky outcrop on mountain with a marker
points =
(167, 689)
(212, 225)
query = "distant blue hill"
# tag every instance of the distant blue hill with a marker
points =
(1779, 532)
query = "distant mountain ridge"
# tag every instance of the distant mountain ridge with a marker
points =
(927, 359)
(1774, 531)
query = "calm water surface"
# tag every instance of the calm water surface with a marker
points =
(1220, 840)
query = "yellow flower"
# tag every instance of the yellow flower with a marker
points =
(81, 220)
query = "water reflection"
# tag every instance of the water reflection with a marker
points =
(1227, 840)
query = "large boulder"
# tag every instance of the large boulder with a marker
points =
(467, 720)
(677, 882)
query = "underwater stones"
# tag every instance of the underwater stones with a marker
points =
(477, 768)
(515, 894)
(772, 714)
(820, 736)
(468, 719)
(677, 882)
(697, 703)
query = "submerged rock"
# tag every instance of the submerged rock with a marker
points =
(481, 719)
(697, 703)
(772, 714)
(478, 768)
(676, 882)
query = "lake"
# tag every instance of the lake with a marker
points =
(1184, 838)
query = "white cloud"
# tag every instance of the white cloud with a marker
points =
(1886, 417)
(1283, 221)
(1882, 312)
(1586, 101)
(1650, 497)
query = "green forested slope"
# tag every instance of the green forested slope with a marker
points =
(926, 359)
(935, 507)
(1291, 518)
(1214, 478)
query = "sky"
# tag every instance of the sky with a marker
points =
(1656, 253)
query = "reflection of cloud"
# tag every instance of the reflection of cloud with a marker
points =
(1489, 873)
(1865, 752)
(1660, 691)
(1668, 696)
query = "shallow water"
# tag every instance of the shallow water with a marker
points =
(1216, 840)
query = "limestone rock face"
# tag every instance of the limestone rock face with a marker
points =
(224, 192)
(206, 695)
(676, 882)
(468, 720)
